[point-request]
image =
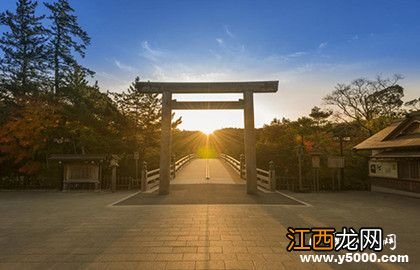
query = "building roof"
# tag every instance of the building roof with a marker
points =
(400, 134)
(398, 154)
(77, 157)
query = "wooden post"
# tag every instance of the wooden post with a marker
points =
(341, 175)
(100, 176)
(136, 163)
(114, 165)
(299, 154)
(165, 144)
(339, 180)
(272, 175)
(63, 183)
(314, 184)
(242, 166)
(317, 180)
(114, 179)
(250, 153)
(144, 177)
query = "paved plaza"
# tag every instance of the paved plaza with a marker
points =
(54, 230)
(208, 194)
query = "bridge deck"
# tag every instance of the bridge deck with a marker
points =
(198, 169)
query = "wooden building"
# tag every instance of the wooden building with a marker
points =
(394, 164)
(81, 171)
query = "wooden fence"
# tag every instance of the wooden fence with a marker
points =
(150, 179)
(265, 179)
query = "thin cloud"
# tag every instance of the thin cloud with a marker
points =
(296, 54)
(123, 66)
(323, 45)
(220, 41)
(150, 53)
(184, 73)
(285, 58)
(228, 32)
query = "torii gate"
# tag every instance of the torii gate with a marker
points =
(247, 104)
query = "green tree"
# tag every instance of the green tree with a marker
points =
(67, 36)
(321, 124)
(304, 127)
(23, 64)
(93, 123)
(76, 77)
(319, 116)
(278, 142)
(7, 103)
(144, 112)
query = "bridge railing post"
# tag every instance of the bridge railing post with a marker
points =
(242, 166)
(272, 175)
(144, 177)
(173, 166)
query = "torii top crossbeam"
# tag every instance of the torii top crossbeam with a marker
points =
(208, 87)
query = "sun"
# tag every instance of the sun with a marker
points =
(207, 130)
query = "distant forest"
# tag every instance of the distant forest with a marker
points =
(49, 106)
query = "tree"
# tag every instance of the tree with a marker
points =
(304, 127)
(83, 121)
(320, 124)
(92, 123)
(319, 116)
(75, 78)
(24, 137)
(23, 64)
(366, 101)
(144, 111)
(66, 37)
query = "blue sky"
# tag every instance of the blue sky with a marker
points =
(309, 46)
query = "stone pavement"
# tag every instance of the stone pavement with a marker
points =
(53, 230)
(208, 194)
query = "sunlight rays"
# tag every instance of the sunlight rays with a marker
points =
(208, 145)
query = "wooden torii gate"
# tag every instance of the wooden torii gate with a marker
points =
(247, 104)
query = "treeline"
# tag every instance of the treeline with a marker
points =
(48, 106)
(353, 112)
(37, 58)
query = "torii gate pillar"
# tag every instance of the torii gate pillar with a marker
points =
(165, 144)
(250, 142)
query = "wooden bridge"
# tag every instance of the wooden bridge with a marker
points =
(193, 170)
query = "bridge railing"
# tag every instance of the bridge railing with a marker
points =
(150, 179)
(265, 179)
(178, 164)
(234, 163)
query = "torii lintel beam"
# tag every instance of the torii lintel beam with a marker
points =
(208, 87)
(207, 105)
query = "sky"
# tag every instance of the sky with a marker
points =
(308, 46)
